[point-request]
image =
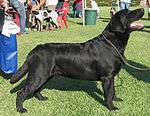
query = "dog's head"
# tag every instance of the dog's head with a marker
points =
(124, 21)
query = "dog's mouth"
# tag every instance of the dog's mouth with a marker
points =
(134, 17)
(136, 26)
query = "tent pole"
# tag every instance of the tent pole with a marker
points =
(83, 13)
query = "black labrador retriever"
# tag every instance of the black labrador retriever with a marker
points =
(92, 60)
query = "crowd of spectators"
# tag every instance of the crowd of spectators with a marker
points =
(59, 6)
(33, 6)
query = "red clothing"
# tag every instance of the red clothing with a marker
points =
(148, 2)
(65, 7)
(77, 1)
(62, 18)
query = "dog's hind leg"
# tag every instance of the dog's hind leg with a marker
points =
(40, 97)
(21, 96)
(38, 94)
(108, 92)
(20, 73)
(30, 88)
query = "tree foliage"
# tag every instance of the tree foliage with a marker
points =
(108, 2)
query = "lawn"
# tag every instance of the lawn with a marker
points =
(83, 98)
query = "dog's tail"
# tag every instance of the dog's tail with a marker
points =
(20, 73)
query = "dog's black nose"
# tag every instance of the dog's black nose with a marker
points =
(142, 9)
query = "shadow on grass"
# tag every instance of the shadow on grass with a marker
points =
(76, 22)
(104, 19)
(145, 19)
(146, 26)
(65, 84)
(139, 75)
(145, 29)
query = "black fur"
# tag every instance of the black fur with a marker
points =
(92, 60)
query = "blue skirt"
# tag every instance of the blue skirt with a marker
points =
(8, 53)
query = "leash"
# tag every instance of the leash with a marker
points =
(123, 59)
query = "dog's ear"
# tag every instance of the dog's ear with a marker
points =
(118, 24)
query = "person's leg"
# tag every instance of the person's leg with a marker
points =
(2, 18)
(122, 5)
(22, 18)
(74, 9)
(64, 17)
(149, 12)
(127, 5)
(21, 10)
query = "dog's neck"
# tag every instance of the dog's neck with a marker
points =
(117, 40)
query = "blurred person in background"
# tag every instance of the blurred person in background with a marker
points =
(51, 4)
(4, 4)
(124, 4)
(148, 4)
(19, 6)
(35, 5)
(94, 6)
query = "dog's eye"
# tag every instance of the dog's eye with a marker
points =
(130, 16)
(122, 15)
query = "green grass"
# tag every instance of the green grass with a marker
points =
(83, 98)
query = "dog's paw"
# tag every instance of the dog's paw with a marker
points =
(117, 99)
(12, 81)
(113, 109)
(22, 110)
(43, 99)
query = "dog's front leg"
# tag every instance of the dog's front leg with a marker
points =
(108, 93)
(115, 98)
